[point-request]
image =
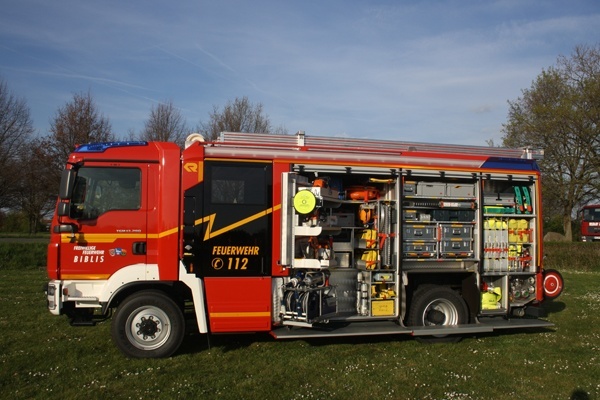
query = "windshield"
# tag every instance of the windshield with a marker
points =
(99, 190)
(591, 214)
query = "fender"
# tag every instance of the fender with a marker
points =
(99, 293)
(196, 286)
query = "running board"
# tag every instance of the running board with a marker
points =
(362, 328)
(373, 328)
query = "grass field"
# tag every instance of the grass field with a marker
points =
(41, 356)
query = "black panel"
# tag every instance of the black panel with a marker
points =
(229, 232)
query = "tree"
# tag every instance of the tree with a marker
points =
(38, 187)
(78, 122)
(166, 124)
(560, 113)
(237, 116)
(16, 128)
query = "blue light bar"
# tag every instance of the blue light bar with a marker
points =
(101, 147)
(520, 164)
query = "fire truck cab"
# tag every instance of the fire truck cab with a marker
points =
(298, 236)
(590, 223)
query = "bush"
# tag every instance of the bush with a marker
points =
(22, 255)
(572, 256)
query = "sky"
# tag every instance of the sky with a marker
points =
(424, 71)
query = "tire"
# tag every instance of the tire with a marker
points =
(148, 324)
(437, 306)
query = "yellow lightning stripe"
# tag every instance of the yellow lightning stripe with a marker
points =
(87, 277)
(240, 314)
(100, 237)
(112, 237)
(211, 219)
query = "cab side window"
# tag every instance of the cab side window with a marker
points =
(99, 190)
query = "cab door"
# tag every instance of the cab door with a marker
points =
(235, 247)
(108, 211)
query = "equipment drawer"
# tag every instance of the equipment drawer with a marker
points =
(456, 248)
(455, 231)
(419, 249)
(419, 232)
(453, 215)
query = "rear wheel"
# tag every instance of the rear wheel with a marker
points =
(148, 324)
(437, 306)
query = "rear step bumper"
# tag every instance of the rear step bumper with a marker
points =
(373, 328)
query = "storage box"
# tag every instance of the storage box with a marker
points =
(453, 215)
(343, 259)
(431, 189)
(383, 277)
(460, 190)
(457, 231)
(324, 193)
(345, 219)
(409, 188)
(419, 249)
(382, 307)
(498, 209)
(409, 215)
(456, 248)
(419, 232)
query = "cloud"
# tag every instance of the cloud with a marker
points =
(438, 70)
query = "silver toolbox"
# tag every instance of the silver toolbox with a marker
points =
(431, 189)
(460, 190)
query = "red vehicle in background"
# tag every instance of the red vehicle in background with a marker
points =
(590, 223)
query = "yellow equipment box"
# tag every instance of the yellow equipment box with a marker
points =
(382, 307)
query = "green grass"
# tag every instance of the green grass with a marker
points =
(41, 356)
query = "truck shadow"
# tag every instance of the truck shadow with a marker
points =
(196, 343)
(553, 307)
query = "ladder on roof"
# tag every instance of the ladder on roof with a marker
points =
(300, 140)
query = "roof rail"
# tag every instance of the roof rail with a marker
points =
(301, 141)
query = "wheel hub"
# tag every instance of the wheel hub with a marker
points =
(436, 317)
(148, 327)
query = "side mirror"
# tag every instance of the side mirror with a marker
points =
(63, 209)
(65, 228)
(67, 183)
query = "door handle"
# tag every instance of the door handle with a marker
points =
(139, 248)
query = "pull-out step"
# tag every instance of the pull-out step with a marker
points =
(515, 323)
(373, 328)
(369, 328)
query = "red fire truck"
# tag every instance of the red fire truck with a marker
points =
(590, 223)
(298, 236)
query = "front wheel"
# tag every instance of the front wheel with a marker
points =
(437, 306)
(148, 324)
